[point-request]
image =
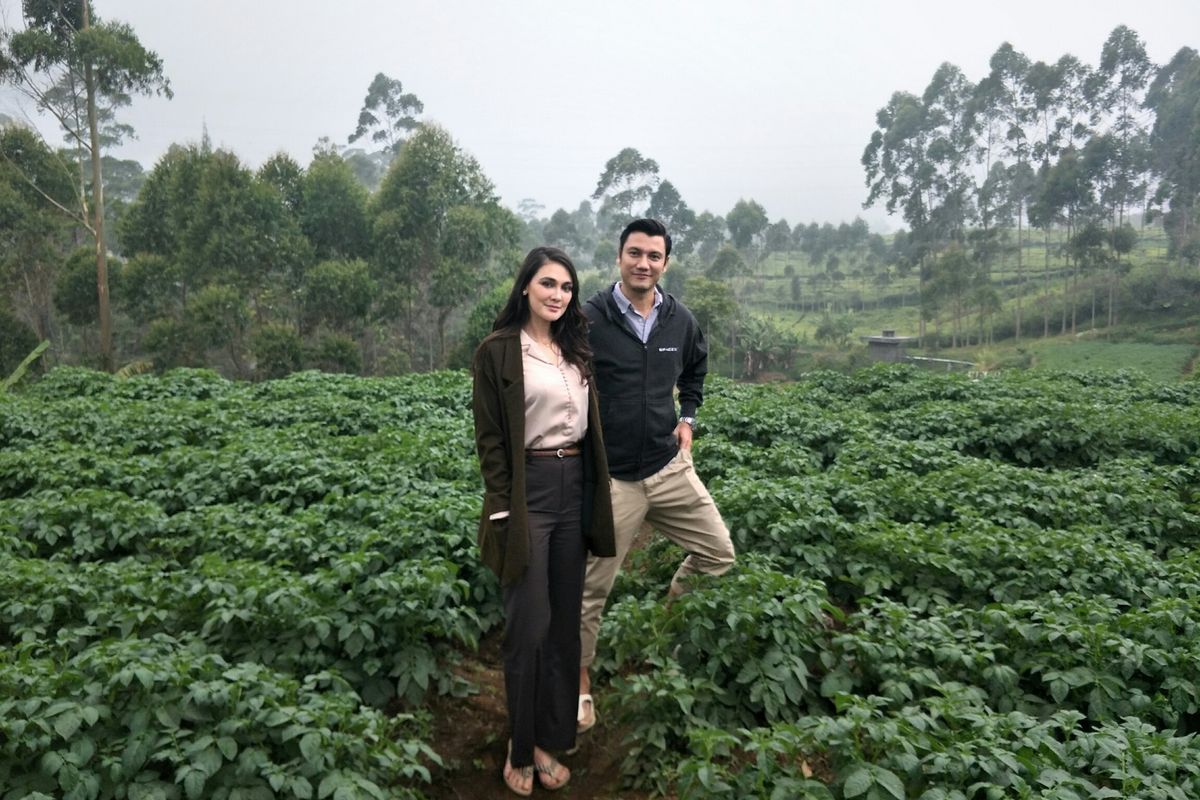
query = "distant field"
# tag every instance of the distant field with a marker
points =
(1159, 361)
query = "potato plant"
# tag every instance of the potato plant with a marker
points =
(947, 588)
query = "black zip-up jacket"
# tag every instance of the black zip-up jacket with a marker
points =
(635, 382)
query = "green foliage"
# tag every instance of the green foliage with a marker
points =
(333, 210)
(479, 324)
(208, 587)
(277, 350)
(1159, 361)
(712, 302)
(337, 293)
(946, 588)
(335, 352)
(205, 212)
(171, 343)
(218, 315)
(835, 329)
(1015, 561)
(165, 717)
(76, 295)
(388, 113)
(437, 228)
(746, 220)
(726, 264)
(149, 287)
(16, 342)
(627, 181)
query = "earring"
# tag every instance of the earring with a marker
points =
(525, 293)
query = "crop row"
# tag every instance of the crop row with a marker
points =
(948, 588)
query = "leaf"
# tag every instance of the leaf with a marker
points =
(137, 751)
(301, 788)
(51, 763)
(890, 782)
(67, 724)
(193, 784)
(23, 367)
(228, 747)
(857, 782)
(310, 748)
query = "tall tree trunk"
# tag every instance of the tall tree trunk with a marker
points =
(1046, 287)
(1112, 298)
(106, 348)
(1020, 268)
(921, 302)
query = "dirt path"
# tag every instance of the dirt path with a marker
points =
(469, 735)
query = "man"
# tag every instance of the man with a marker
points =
(645, 344)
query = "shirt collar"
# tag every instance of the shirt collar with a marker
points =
(624, 303)
(529, 346)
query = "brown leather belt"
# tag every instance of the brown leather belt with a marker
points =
(561, 452)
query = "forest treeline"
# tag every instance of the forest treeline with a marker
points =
(1063, 145)
(390, 253)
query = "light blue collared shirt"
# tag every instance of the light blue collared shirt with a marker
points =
(639, 325)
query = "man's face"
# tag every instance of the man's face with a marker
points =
(642, 262)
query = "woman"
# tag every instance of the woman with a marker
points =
(546, 503)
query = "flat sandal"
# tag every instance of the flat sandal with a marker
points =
(510, 770)
(547, 771)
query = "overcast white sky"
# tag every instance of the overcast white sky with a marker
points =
(760, 99)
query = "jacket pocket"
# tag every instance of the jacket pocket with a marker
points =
(493, 533)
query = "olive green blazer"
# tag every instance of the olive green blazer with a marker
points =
(498, 400)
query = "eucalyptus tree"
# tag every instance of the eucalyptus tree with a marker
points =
(726, 265)
(949, 114)
(708, 234)
(388, 114)
(286, 175)
(1005, 91)
(1066, 195)
(77, 69)
(1125, 70)
(1051, 89)
(209, 220)
(712, 302)
(437, 227)
(918, 162)
(333, 209)
(337, 293)
(1174, 97)
(669, 207)
(954, 277)
(625, 185)
(560, 230)
(778, 237)
(746, 221)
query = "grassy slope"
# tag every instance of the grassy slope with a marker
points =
(1163, 343)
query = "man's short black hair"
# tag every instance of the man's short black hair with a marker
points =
(648, 226)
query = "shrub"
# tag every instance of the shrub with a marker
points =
(277, 350)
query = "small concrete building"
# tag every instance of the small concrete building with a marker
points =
(888, 347)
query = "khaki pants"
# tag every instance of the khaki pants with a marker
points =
(674, 501)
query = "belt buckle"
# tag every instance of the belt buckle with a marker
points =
(559, 452)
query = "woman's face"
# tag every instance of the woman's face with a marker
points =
(550, 291)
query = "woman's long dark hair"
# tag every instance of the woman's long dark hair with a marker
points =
(570, 331)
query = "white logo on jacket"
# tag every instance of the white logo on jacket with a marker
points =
(668, 349)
